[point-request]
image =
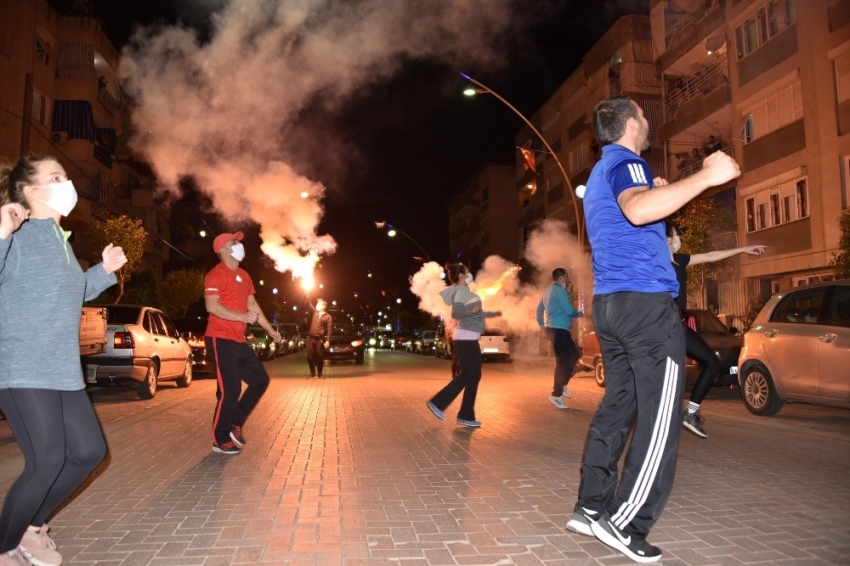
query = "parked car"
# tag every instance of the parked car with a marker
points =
(495, 345)
(260, 342)
(726, 344)
(412, 342)
(798, 349)
(385, 339)
(425, 343)
(143, 348)
(442, 345)
(291, 337)
(400, 340)
(192, 330)
(345, 344)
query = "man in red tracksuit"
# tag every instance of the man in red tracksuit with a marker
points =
(229, 298)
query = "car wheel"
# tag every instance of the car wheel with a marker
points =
(599, 372)
(147, 388)
(185, 380)
(758, 393)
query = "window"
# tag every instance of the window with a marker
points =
(839, 313)
(809, 279)
(777, 110)
(801, 307)
(42, 50)
(773, 206)
(841, 68)
(767, 22)
(39, 108)
(579, 158)
(844, 161)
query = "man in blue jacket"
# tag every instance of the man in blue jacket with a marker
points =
(559, 313)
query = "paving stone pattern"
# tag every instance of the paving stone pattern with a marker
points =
(355, 470)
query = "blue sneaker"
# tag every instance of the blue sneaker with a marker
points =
(464, 422)
(437, 412)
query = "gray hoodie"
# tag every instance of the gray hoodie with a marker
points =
(463, 301)
(42, 289)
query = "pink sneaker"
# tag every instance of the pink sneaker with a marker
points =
(39, 549)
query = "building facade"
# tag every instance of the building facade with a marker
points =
(60, 96)
(767, 81)
(479, 214)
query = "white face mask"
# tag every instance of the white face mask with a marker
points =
(63, 197)
(237, 251)
(675, 243)
(469, 279)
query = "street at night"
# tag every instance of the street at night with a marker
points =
(355, 470)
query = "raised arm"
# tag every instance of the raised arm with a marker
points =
(718, 255)
(642, 205)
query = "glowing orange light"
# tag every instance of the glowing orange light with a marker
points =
(494, 287)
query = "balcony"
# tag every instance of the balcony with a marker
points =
(694, 166)
(695, 97)
(693, 14)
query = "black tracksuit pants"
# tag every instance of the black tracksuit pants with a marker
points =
(698, 350)
(316, 355)
(566, 358)
(643, 345)
(469, 354)
(234, 362)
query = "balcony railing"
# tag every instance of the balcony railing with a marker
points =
(695, 12)
(696, 86)
(695, 166)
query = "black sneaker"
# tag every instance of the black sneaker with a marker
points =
(228, 447)
(581, 520)
(635, 548)
(693, 422)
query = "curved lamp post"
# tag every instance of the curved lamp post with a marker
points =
(485, 89)
(392, 231)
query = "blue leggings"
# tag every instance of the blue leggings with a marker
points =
(62, 442)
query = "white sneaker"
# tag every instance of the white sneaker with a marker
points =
(558, 402)
(567, 394)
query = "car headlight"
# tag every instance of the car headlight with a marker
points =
(372, 341)
(357, 343)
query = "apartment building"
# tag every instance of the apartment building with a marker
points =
(563, 148)
(767, 81)
(60, 95)
(479, 214)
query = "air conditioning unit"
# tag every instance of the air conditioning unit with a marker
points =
(59, 137)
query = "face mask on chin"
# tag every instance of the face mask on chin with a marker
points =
(63, 197)
(468, 279)
(238, 252)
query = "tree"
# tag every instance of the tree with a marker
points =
(179, 289)
(702, 223)
(129, 234)
(841, 259)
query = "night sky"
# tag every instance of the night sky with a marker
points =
(418, 139)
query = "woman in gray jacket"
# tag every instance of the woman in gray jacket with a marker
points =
(42, 393)
(469, 318)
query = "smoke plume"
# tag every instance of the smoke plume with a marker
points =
(223, 109)
(549, 246)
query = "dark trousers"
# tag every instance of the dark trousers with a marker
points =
(469, 354)
(60, 437)
(643, 345)
(699, 351)
(234, 362)
(316, 354)
(566, 358)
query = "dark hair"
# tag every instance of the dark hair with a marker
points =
(454, 271)
(558, 272)
(13, 179)
(670, 226)
(610, 116)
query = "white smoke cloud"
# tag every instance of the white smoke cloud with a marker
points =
(220, 110)
(549, 246)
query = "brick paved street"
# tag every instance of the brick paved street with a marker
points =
(355, 470)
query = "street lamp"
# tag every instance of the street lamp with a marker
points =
(392, 231)
(486, 90)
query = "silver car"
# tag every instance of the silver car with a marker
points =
(798, 349)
